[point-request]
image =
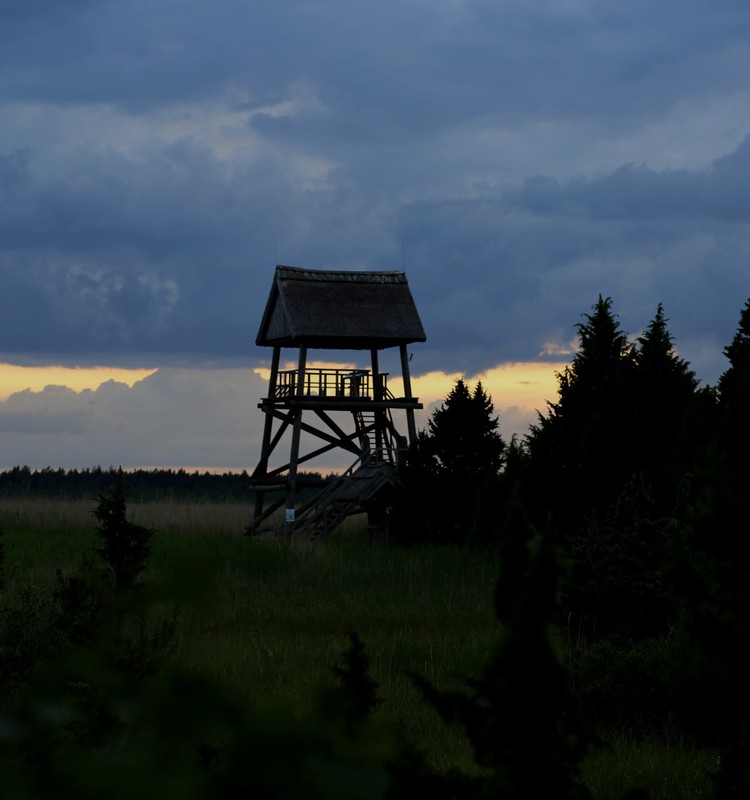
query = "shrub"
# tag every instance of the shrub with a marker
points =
(623, 684)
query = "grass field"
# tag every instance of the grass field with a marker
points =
(268, 620)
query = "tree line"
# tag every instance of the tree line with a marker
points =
(144, 485)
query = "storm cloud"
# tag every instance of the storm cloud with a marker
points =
(515, 158)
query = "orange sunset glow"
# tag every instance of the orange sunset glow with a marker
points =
(16, 379)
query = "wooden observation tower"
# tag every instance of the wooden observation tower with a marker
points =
(349, 409)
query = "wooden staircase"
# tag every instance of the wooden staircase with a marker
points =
(348, 494)
(366, 430)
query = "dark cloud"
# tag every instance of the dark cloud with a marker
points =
(163, 258)
(639, 193)
(387, 67)
(502, 275)
(156, 161)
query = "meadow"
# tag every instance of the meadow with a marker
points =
(268, 620)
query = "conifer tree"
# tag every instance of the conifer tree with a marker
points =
(582, 451)
(448, 467)
(668, 431)
(2, 561)
(734, 400)
(715, 630)
(125, 544)
(659, 366)
(467, 452)
(464, 434)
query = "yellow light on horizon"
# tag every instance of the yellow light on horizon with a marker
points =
(14, 378)
(527, 384)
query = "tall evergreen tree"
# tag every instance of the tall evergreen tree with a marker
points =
(582, 451)
(658, 364)
(734, 400)
(715, 630)
(464, 436)
(454, 460)
(668, 430)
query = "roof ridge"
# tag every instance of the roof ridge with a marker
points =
(341, 276)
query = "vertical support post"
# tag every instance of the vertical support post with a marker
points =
(294, 455)
(376, 388)
(262, 467)
(377, 395)
(410, 423)
(274, 378)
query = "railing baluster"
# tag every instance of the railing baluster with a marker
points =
(334, 382)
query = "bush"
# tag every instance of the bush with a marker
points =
(623, 684)
(28, 635)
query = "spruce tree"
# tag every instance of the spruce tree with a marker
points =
(734, 400)
(467, 454)
(582, 451)
(464, 436)
(668, 430)
(125, 545)
(450, 466)
(715, 628)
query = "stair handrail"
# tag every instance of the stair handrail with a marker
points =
(362, 460)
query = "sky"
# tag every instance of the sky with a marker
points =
(516, 158)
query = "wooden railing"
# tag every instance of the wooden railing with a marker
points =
(330, 382)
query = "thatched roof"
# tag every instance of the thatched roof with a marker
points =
(339, 310)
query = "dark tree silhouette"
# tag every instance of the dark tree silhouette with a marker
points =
(448, 468)
(464, 436)
(715, 628)
(126, 545)
(668, 429)
(610, 462)
(2, 561)
(734, 400)
(582, 451)
(520, 715)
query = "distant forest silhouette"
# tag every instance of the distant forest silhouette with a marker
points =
(143, 485)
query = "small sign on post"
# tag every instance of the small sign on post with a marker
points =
(289, 515)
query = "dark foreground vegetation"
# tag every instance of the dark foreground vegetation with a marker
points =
(212, 674)
(640, 477)
(574, 607)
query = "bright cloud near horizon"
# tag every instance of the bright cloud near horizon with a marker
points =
(516, 158)
(192, 418)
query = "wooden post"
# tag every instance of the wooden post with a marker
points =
(262, 467)
(411, 425)
(377, 395)
(291, 486)
(273, 380)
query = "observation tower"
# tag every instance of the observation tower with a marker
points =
(351, 409)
